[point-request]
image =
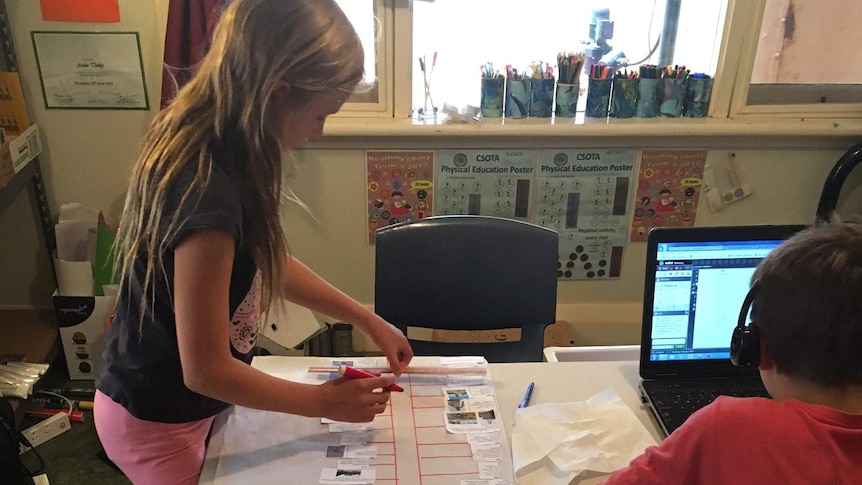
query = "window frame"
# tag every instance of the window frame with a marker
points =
(384, 48)
(742, 24)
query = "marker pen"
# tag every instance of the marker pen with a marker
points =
(74, 416)
(353, 373)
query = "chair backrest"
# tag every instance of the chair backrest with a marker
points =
(469, 273)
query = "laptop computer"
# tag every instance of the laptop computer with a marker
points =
(696, 280)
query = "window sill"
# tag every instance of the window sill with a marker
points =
(343, 132)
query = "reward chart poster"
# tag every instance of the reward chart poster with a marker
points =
(669, 184)
(399, 188)
(585, 196)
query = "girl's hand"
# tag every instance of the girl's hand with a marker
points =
(354, 400)
(392, 342)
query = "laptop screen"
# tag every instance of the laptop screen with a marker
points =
(696, 280)
(699, 288)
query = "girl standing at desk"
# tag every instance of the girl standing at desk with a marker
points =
(201, 247)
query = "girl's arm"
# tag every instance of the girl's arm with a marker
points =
(303, 286)
(202, 269)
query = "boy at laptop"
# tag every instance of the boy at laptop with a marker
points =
(807, 310)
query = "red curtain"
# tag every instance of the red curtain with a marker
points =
(190, 27)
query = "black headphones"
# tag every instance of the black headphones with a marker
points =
(745, 342)
(836, 178)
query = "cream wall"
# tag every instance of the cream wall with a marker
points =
(786, 186)
(88, 154)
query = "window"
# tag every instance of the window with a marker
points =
(369, 18)
(806, 55)
(774, 57)
(620, 33)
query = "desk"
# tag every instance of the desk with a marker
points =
(554, 382)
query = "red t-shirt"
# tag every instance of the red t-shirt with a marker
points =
(754, 440)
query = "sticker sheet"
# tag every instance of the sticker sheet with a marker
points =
(399, 187)
(668, 192)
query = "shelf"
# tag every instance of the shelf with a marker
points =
(30, 332)
(19, 182)
(33, 333)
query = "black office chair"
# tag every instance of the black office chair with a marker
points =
(469, 273)
(831, 191)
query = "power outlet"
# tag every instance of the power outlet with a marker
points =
(46, 429)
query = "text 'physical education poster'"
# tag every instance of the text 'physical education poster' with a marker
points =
(485, 182)
(584, 195)
(669, 185)
(400, 187)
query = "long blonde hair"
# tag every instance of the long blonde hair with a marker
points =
(222, 113)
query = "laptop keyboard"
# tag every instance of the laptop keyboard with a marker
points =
(677, 401)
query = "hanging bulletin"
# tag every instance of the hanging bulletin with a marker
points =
(669, 185)
(485, 182)
(400, 187)
(585, 196)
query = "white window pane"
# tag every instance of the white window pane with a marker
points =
(363, 16)
(468, 33)
(807, 53)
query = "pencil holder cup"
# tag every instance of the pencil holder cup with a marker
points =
(598, 98)
(672, 98)
(648, 98)
(624, 98)
(342, 339)
(567, 100)
(491, 104)
(541, 98)
(697, 94)
(518, 95)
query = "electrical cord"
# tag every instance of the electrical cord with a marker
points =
(651, 52)
(68, 401)
(19, 436)
(649, 32)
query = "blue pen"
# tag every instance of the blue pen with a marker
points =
(526, 400)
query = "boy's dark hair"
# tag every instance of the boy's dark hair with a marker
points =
(809, 307)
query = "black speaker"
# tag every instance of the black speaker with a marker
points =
(835, 180)
(745, 342)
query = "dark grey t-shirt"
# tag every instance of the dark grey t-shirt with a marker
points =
(141, 370)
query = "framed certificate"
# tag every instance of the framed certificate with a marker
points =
(91, 70)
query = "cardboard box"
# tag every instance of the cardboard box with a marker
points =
(13, 109)
(83, 322)
(17, 152)
(559, 334)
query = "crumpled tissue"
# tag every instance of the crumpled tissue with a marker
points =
(455, 114)
(554, 442)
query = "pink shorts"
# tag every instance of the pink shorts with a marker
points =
(150, 452)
